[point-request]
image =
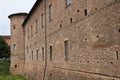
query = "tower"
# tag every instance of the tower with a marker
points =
(17, 42)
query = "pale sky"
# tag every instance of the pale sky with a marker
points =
(8, 7)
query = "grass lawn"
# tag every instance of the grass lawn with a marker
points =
(5, 73)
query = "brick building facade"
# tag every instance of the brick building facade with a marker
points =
(67, 40)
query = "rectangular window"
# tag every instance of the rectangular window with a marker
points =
(32, 55)
(31, 30)
(37, 54)
(117, 54)
(50, 53)
(14, 47)
(85, 12)
(14, 27)
(50, 12)
(36, 26)
(43, 53)
(42, 20)
(28, 33)
(66, 50)
(68, 2)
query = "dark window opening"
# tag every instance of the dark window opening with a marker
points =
(119, 30)
(86, 39)
(14, 27)
(43, 53)
(37, 54)
(97, 36)
(117, 54)
(96, 9)
(85, 11)
(15, 66)
(50, 53)
(111, 62)
(87, 61)
(60, 26)
(71, 20)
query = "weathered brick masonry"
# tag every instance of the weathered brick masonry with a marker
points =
(75, 41)
(17, 43)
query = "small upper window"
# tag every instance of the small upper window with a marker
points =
(68, 2)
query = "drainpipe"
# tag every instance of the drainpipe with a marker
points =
(45, 41)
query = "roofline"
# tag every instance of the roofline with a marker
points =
(31, 12)
(16, 14)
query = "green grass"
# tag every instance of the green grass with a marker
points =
(5, 73)
(12, 77)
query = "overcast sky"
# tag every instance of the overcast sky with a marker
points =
(8, 7)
